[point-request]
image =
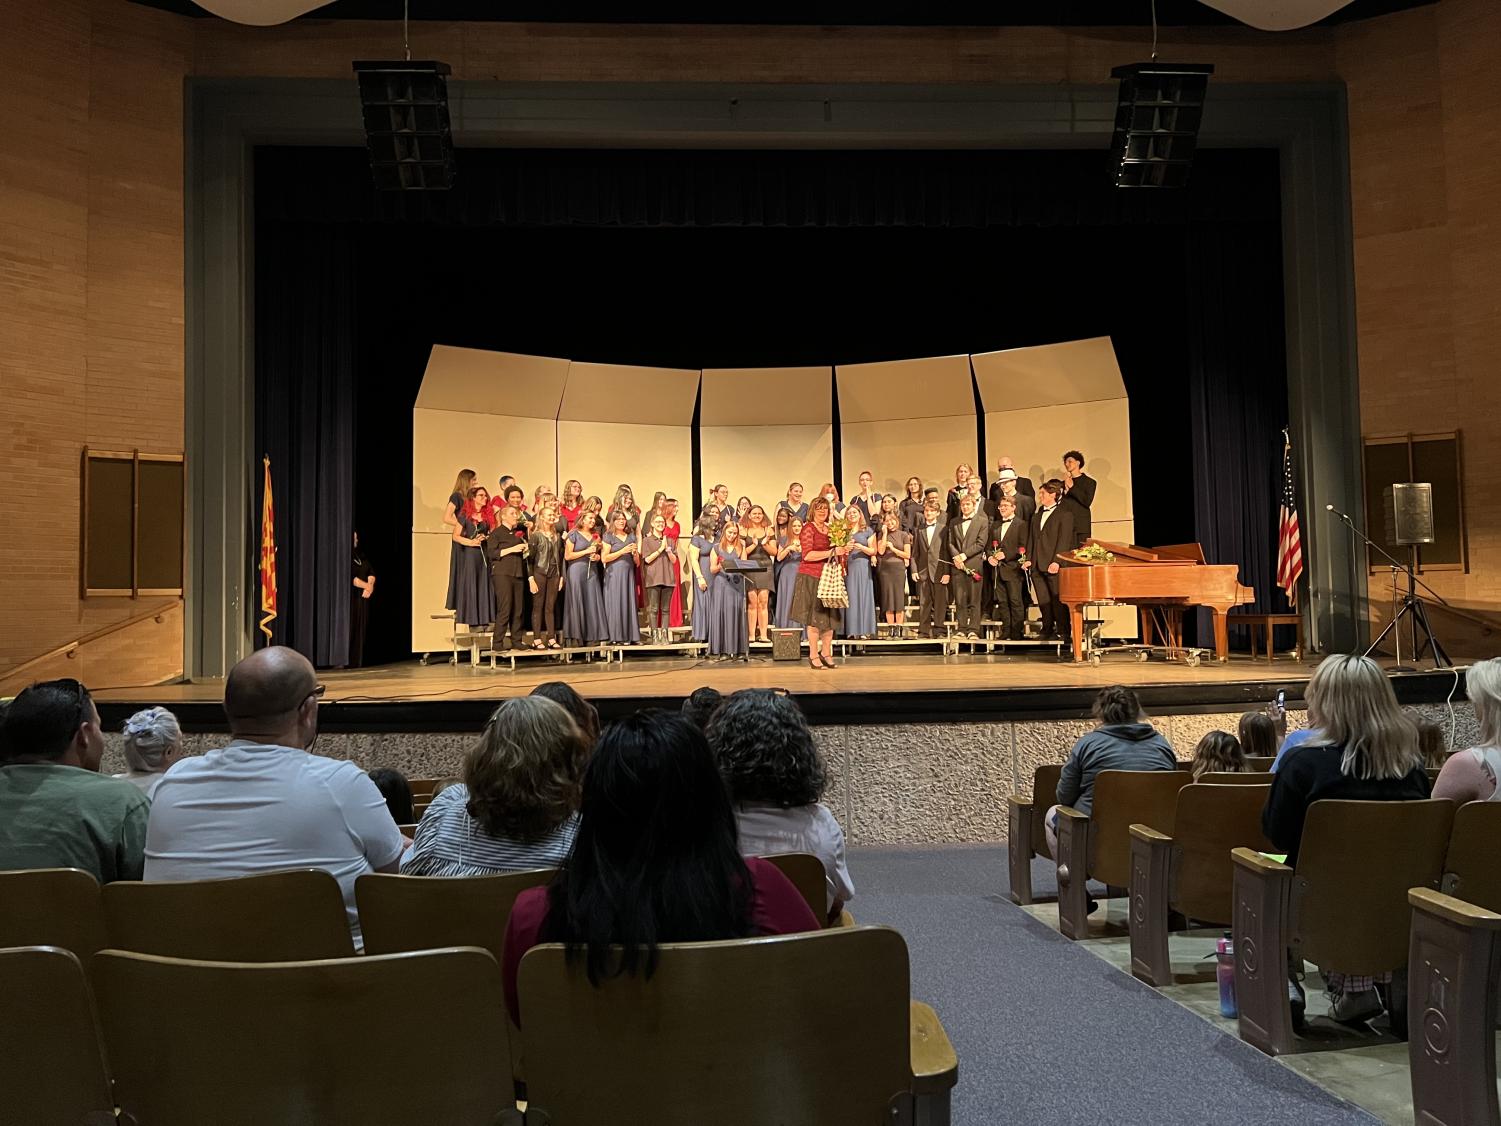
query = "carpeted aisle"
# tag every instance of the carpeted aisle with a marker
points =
(1049, 1033)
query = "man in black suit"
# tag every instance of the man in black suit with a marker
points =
(1006, 471)
(506, 548)
(1052, 532)
(966, 542)
(1008, 547)
(930, 570)
(1078, 494)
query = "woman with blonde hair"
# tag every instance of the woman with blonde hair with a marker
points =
(153, 742)
(571, 503)
(1470, 775)
(1364, 749)
(517, 806)
(728, 635)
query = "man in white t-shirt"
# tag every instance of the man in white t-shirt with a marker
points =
(264, 803)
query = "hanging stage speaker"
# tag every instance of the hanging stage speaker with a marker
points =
(1157, 123)
(405, 107)
(1409, 513)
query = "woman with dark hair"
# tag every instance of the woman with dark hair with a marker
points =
(1124, 740)
(1218, 752)
(776, 778)
(583, 595)
(585, 714)
(699, 563)
(397, 791)
(1258, 735)
(909, 511)
(453, 519)
(474, 598)
(655, 860)
(517, 808)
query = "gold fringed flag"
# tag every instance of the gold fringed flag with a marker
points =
(268, 556)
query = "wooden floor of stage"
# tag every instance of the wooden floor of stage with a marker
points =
(665, 676)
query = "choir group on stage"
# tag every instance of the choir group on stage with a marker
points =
(588, 570)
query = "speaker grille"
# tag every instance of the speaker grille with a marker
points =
(1157, 123)
(405, 107)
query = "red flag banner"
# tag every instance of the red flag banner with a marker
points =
(268, 555)
(1289, 537)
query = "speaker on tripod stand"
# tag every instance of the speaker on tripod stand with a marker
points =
(1409, 523)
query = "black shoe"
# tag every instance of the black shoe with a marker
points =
(1394, 1001)
(1298, 1004)
(1093, 907)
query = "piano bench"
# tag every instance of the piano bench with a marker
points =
(1251, 621)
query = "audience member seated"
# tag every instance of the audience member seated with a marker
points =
(585, 714)
(443, 783)
(153, 742)
(1433, 744)
(1470, 775)
(776, 777)
(1122, 741)
(1220, 752)
(265, 803)
(1364, 749)
(1257, 735)
(517, 807)
(397, 792)
(655, 860)
(699, 707)
(56, 810)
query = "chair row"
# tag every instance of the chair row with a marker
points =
(812, 1028)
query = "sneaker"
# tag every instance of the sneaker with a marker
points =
(1354, 1008)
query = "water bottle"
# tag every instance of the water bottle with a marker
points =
(1225, 973)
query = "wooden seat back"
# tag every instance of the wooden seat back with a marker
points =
(1260, 762)
(801, 1028)
(1356, 862)
(272, 917)
(1044, 797)
(807, 874)
(52, 907)
(1123, 798)
(237, 1044)
(1209, 822)
(1234, 778)
(1472, 865)
(400, 913)
(52, 1070)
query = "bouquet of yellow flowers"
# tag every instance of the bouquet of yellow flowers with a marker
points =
(1094, 553)
(839, 532)
(831, 589)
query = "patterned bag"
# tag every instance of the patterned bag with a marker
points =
(831, 589)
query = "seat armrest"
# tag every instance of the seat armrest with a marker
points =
(1256, 862)
(935, 1066)
(1016, 801)
(1151, 882)
(1453, 910)
(1073, 872)
(1149, 835)
(1261, 894)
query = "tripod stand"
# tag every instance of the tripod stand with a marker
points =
(1412, 608)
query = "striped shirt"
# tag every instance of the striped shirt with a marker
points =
(451, 843)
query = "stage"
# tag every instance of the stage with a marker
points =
(878, 688)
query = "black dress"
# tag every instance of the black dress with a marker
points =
(455, 553)
(359, 611)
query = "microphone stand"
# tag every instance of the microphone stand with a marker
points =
(1411, 604)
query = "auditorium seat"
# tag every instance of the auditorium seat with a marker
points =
(1472, 864)
(1188, 870)
(1025, 837)
(1099, 846)
(244, 1044)
(807, 874)
(422, 788)
(1454, 952)
(52, 907)
(814, 1028)
(275, 917)
(1260, 762)
(1345, 908)
(52, 1070)
(1234, 778)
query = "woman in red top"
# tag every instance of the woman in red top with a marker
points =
(806, 608)
(656, 859)
(572, 501)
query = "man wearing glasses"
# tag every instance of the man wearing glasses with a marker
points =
(56, 809)
(265, 803)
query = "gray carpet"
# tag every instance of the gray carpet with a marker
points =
(1048, 1033)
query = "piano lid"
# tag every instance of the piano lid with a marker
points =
(1173, 553)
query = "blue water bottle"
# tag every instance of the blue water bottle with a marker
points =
(1225, 973)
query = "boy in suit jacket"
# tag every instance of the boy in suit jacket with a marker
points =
(967, 539)
(1078, 495)
(1008, 547)
(930, 569)
(1052, 532)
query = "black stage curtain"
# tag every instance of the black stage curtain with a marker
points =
(688, 259)
(305, 325)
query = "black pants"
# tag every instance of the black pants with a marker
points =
(509, 610)
(545, 607)
(932, 601)
(658, 607)
(1008, 596)
(1054, 613)
(359, 616)
(966, 593)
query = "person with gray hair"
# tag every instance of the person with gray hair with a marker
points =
(153, 742)
(1470, 775)
(265, 802)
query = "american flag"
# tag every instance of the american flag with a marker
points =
(1289, 538)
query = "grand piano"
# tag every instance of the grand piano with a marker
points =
(1165, 579)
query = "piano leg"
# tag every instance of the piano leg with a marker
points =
(1222, 635)
(1076, 630)
(1146, 626)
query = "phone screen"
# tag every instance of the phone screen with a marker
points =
(1281, 700)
